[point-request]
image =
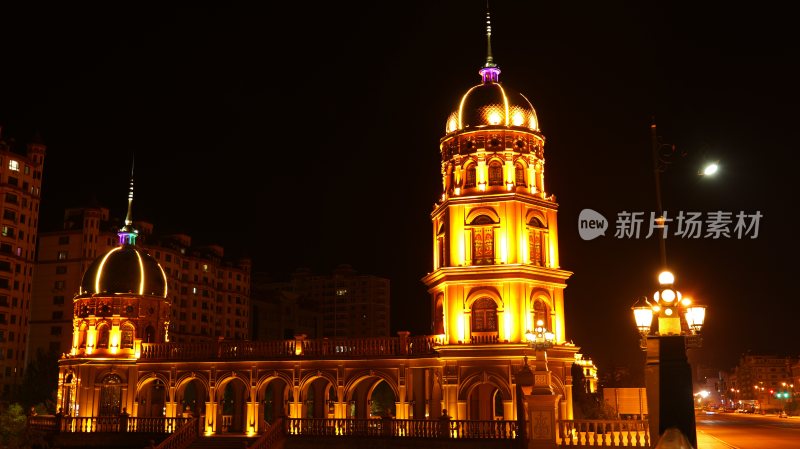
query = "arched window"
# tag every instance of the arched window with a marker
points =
(519, 174)
(438, 315)
(484, 315)
(483, 242)
(82, 336)
(111, 395)
(537, 242)
(102, 336)
(149, 335)
(541, 312)
(495, 174)
(126, 340)
(469, 180)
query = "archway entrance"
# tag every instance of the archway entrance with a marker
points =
(110, 396)
(273, 404)
(152, 399)
(231, 406)
(191, 397)
(485, 403)
(371, 397)
(319, 399)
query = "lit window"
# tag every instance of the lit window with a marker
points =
(519, 174)
(495, 174)
(470, 178)
(13, 165)
(341, 292)
(484, 315)
(483, 246)
(62, 255)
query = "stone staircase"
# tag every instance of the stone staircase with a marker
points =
(222, 442)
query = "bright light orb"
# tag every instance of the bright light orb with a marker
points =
(494, 118)
(668, 312)
(666, 278)
(710, 169)
(668, 295)
(517, 119)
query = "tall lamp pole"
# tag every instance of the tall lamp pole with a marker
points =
(665, 340)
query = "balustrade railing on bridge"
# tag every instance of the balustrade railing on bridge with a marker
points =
(317, 348)
(415, 428)
(602, 432)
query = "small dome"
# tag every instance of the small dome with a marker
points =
(124, 269)
(492, 104)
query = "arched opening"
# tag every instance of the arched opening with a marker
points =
(152, 400)
(482, 240)
(371, 397)
(192, 397)
(541, 312)
(537, 242)
(231, 407)
(317, 401)
(66, 395)
(102, 336)
(149, 335)
(485, 403)
(495, 173)
(274, 401)
(438, 315)
(519, 175)
(382, 401)
(126, 336)
(82, 336)
(469, 179)
(484, 316)
(110, 396)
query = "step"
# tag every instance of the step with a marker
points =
(222, 442)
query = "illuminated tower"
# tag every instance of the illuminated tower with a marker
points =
(121, 303)
(495, 240)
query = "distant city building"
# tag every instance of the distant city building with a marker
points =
(20, 193)
(209, 296)
(590, 379)
(760, 381)
(342, 304)
(281, 311)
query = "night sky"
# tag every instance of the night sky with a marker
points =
(308, 136)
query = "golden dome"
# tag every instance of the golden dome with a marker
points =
(124, 270)
(492, 104)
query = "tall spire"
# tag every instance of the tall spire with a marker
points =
(489, 59)
(490, 73)
(127, 235)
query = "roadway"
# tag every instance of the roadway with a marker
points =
(745, 431)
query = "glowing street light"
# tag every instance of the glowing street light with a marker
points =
(710, 169)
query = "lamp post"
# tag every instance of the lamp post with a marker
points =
(535, 387)
(668, 376)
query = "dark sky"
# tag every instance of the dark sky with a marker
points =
(307, 135)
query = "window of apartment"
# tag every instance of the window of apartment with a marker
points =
(9, 215)
(58, 300)
(63, 240)
(13, 165)
(11, 198)
(61, 269)
(55, 330)
(4, 301)
(62, 255)
(13, 181)
(57, 315)
(5, 265)
(59, 285)
(4, 283)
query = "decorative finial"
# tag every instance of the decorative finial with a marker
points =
(489, 59)
(490, 73)
(128, 217)
(127, 235)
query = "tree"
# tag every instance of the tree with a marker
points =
(40, 382)
(13, 426)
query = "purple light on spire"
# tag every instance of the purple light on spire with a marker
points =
(490, 74)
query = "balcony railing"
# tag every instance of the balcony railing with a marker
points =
(89, 424)
(600, 432)
(415, 428)
(317, 349)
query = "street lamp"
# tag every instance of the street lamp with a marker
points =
(676, 326)
(536, 388)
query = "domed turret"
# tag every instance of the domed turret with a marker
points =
(124, 270)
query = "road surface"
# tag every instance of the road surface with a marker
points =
(745, 431)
